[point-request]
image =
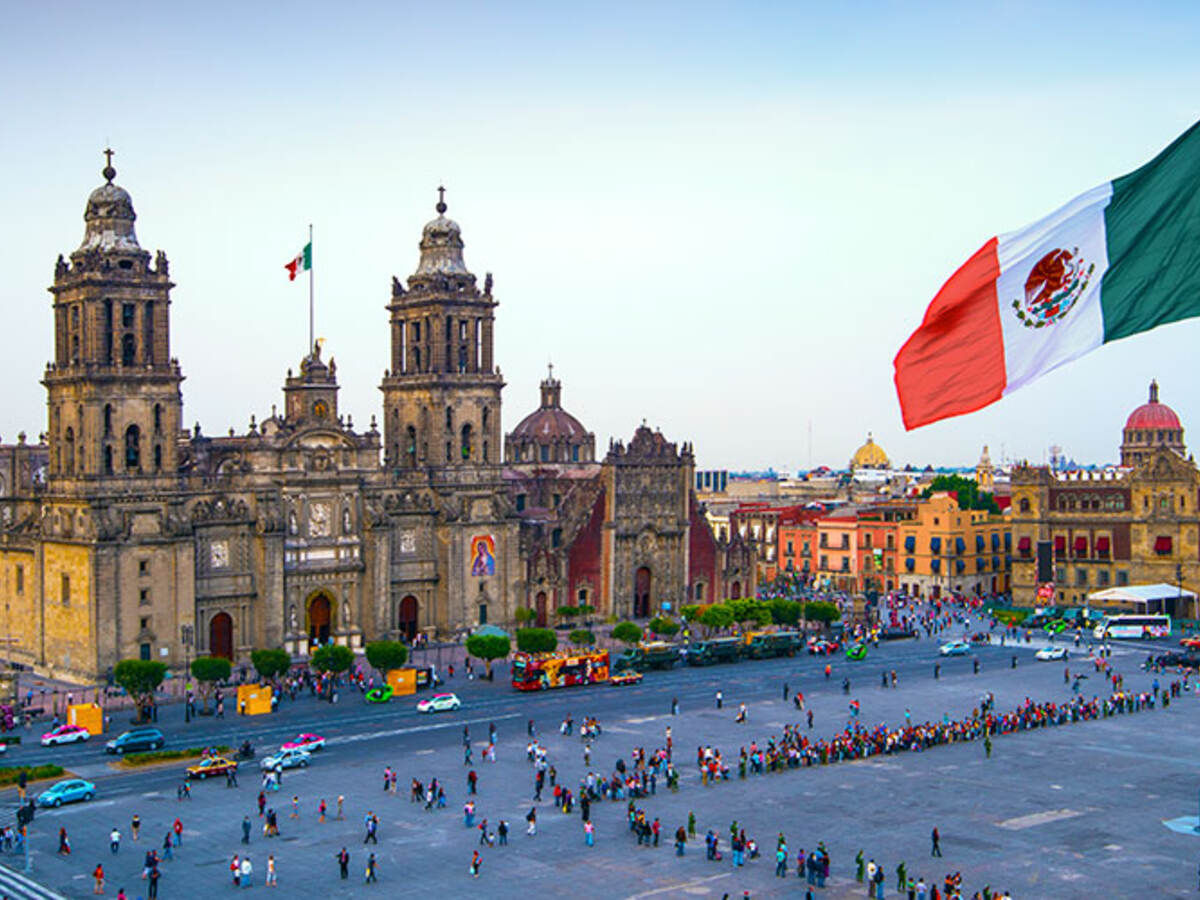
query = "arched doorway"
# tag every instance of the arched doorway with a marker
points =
(641, 593)
(406, 618)
(318, 618)
(220, 636)
(735, 592)
(541, 609)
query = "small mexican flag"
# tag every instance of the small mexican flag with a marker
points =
(1118, 260)
(302, 262)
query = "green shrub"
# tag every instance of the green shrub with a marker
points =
(664, 626)
(269, 663)
(10, 774)
(1010, 616)
(153, 756)
(582, 637)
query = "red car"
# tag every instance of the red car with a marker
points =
(1191, 643)
(823, 647)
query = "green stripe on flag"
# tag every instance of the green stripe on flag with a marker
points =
(307, 254)
(1152, 227)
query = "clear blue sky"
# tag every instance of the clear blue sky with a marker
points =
(722, 218)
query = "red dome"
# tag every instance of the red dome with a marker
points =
(1151, 416)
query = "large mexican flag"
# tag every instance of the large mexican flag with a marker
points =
(1120, 259)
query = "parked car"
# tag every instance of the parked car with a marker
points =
(823, 647)
(629, 676)
(286, 759)
(66, 791)
(135, 740)
(1047, 654)
(439, 703)
(955, 648)
(65, 734)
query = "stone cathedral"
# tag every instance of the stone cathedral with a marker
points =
(124, 534)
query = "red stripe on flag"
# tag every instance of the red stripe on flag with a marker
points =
(954, 362)
(292, 267)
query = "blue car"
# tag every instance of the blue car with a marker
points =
(67, 791)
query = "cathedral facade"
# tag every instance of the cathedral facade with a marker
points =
(126, 535)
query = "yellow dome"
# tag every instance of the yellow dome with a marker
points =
(870, 456)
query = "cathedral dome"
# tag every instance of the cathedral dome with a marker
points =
(109, 216)
(1153, 414)
(441, 245)
(870, 456)
(550, 433)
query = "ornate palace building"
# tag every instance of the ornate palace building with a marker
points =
(126, 535)
(1136, 524)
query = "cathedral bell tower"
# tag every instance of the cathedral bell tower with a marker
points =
(441, 396)
(113, 389)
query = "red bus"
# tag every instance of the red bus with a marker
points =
(539, 671)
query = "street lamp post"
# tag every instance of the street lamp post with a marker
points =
(185, 638)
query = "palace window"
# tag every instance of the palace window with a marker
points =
(65, 589)
(127, 315)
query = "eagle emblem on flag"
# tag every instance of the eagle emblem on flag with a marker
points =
(1053, 286)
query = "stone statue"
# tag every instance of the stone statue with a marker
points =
(397, 287)
(160, 263)
(292, 617)
(345, 613)
(487, 284)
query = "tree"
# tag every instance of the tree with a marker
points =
(208, 670)
(716, 617)
(748, 611)
(626, 633)
(523, 614)
(566, 613)
(582, 637)
(333, 658)
(536, 640)
(664, 626)
(585, 610)
(690, 613)
(784, 612)
(140, 678)
(386, 655)
(488, 647)
(820, 611)
(966, 490)
(270, 663)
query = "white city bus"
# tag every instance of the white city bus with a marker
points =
(1133, 626)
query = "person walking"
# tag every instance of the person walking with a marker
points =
(370, 877)
(589, 834)
(476, 863)
(341, 800)
(245, 829)
(720, 699)
(674, 706)
(135, 826)
(343, 861)
(114, 840)
(270, 882)
(781, 855)
(247, 872)
(152, 889)
(98, 879)
(321, 807)
(235, 870)
(935, 842)
(64, 845)
(177, 827)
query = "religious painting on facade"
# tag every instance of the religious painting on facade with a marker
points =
(483, 555)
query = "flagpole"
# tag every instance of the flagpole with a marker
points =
(311, 338)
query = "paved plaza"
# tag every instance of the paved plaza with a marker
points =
(1070, 811)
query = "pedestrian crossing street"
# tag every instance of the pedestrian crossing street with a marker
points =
(17, 886)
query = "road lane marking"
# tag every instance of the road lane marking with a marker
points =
(682, 886)
(1040, 818)
(416, 729)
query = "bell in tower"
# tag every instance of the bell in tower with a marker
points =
(113, 389)
(442, 392)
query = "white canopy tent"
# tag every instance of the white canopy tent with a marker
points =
(1146, 598)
